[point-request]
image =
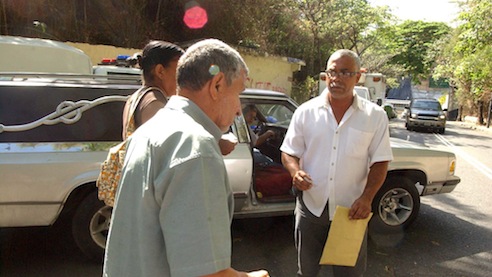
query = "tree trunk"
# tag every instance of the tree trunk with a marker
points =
(489, 112)
(480, 112)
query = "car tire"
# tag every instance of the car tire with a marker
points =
(395, 206)
(90, 226)
(441, 130)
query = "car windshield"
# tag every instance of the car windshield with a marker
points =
(428, 105)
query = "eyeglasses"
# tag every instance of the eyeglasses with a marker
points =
(333, 74)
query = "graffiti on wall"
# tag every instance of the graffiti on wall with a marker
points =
(251, 83)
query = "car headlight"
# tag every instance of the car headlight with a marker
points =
(442, 116)
(414, 115)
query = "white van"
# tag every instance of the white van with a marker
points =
(34, 55)
(363, 92)
(376, 83)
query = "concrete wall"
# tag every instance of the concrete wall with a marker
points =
(273, 73)
(266, 72)
(99, 52)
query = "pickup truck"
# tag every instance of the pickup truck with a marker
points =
(55, 130)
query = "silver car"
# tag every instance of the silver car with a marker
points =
(55, 132)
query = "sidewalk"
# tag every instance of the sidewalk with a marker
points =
(471, 125)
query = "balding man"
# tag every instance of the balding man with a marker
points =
(337, 150)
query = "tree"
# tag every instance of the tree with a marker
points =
(467, 56)
(354, 24)
(410, 43)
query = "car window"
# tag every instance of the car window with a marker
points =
(276, 113)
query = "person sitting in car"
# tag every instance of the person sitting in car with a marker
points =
(249, 113)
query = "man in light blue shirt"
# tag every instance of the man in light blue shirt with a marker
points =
(174, 204)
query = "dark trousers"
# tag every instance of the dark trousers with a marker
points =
(310, 236)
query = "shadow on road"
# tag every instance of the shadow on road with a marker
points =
(437, 244)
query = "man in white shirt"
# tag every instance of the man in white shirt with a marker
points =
(337, 151)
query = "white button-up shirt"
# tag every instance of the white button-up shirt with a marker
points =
(337, 156)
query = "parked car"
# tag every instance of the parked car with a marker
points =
(425, 113)
(55, 132)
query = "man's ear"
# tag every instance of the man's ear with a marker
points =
(159, 71)
(358, 76)
(217, 84)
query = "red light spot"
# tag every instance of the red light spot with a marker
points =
(195, 17)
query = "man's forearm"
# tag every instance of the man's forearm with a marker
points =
(375, 179)
(291, 163)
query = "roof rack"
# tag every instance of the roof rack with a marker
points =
(73, 78)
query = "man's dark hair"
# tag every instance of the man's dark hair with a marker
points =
(250, 107)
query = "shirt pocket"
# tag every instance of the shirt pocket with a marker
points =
(358, 143)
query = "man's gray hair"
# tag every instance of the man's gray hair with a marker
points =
(345, 53)
(204, 59)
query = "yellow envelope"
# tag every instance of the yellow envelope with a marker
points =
(344, 239)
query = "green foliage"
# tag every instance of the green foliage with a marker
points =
(466, 55)
(305, 90)
(438, 83)
(411, 42)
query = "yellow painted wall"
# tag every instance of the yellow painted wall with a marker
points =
(265, 72)
(99, 52)
(273, 73)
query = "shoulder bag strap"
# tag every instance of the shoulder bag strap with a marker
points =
(134, 101)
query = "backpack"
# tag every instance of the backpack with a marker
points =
(110, 174)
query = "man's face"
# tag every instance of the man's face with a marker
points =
(341, 86)
(250, 116)
(229, 105)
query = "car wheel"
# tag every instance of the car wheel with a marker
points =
(90, 226)
(395, 206)
(441, 130)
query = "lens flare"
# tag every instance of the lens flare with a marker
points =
(195, 17)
